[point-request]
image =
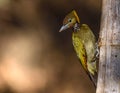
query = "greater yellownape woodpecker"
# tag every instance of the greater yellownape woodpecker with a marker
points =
(84, 43)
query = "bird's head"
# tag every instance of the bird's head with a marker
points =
(70, 20)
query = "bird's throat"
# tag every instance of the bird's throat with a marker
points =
(76, 27)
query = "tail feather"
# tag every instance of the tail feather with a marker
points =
(94, 79)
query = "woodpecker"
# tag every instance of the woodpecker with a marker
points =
(84, 42)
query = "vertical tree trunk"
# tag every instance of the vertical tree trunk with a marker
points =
(109, 65)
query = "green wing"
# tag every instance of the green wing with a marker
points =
(88, 38)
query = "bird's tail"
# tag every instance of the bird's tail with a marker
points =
(94, 78)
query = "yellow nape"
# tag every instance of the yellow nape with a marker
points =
(74, 12)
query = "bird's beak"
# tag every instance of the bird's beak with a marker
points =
(64, 27)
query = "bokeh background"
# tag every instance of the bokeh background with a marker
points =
(34, 56)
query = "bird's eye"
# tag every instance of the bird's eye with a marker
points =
(69, 20)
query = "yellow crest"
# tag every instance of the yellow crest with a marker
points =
(74, 12)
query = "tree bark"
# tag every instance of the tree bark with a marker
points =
(109, 62)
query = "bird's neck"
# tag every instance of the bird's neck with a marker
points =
(76, 27)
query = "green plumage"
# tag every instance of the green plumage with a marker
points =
(84, 43)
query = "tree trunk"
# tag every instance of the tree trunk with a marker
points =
(109, 62)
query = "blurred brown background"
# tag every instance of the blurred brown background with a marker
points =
(34, 56)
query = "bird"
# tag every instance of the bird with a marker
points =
(84, 43)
